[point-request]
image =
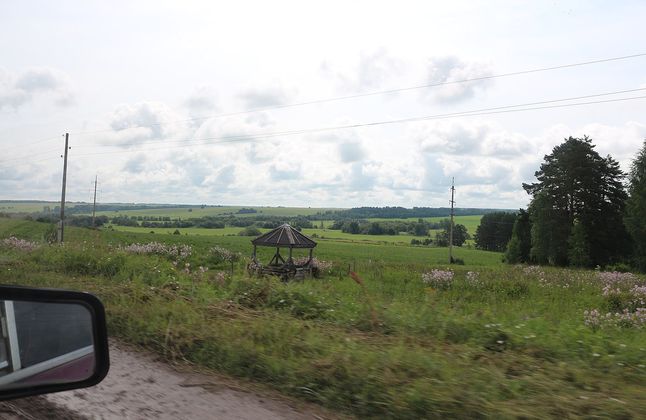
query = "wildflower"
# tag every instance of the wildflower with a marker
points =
(472, 277)
(20, 244)
(179, 252)
(438, 279)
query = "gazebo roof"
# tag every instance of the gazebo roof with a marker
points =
(284, 236)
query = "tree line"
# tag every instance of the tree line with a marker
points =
(359, 213)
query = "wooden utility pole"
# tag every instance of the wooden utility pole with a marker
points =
(61, 227)
(94, 205)
(451, 225)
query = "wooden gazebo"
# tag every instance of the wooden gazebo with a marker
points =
(284, 236)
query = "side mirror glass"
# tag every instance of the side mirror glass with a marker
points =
(50, 340)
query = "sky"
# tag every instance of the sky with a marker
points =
(198, 102)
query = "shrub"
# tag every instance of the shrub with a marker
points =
(249, 231)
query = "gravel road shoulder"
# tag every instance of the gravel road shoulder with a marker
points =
(139, 386)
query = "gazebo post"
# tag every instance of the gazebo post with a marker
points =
(310, 260)
(254, 253)
(290, 255)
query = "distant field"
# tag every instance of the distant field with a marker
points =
(471, 222)
(184, 213)
(27, 207)
(173, 212)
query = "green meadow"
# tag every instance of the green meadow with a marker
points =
(401, 341)
(198, 211)
(470, 222)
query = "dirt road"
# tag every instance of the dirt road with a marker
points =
(140, 387)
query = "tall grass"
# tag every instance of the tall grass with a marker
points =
(493, 341)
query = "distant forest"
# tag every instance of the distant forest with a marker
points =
(398, 213)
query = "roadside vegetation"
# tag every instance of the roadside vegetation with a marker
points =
(388, 329)
(406, 337)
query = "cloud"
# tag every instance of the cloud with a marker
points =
(452, 69)
(222, 179)
(285, 171)
(19, 89)
(132, 124)
(201, 102)
(263, 98)
(376, 68)
(362, 177)
(472, 138)
(35, 80)
(261, 152)
(135, 164)
(351, 151)
(372, 71)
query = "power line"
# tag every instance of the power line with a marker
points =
(28, 156)
(479, 112)
(367, 94)
(384, 92)
(292, 132)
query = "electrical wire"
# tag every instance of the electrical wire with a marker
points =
(539, 105)
(367, 94)
(382, 92)
(490, 111)
(302, 131)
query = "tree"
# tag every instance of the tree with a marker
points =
(635, 218)
(550, 232)
(494, 231)
(520, 243)
(420, 228)
(460, 236)
(576, 183)
(375, 229)
(578, 247)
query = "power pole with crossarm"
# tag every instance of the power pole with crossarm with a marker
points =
(451, 224)
(61, 228)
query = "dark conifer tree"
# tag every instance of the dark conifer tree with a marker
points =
(636, 208)
(521, 240)
(576, 183)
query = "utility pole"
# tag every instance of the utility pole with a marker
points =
(62, 222)
(94, 205)
(451, 225)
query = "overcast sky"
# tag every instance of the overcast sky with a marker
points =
(143, 88)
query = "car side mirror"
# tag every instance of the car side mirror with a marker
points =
(50, 340)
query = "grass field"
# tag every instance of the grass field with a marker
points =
(471, 223)
(197, 211)
(494, 341)
(26, 206)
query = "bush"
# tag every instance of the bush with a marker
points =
(249, 231)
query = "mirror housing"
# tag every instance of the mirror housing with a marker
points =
(78, 358)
